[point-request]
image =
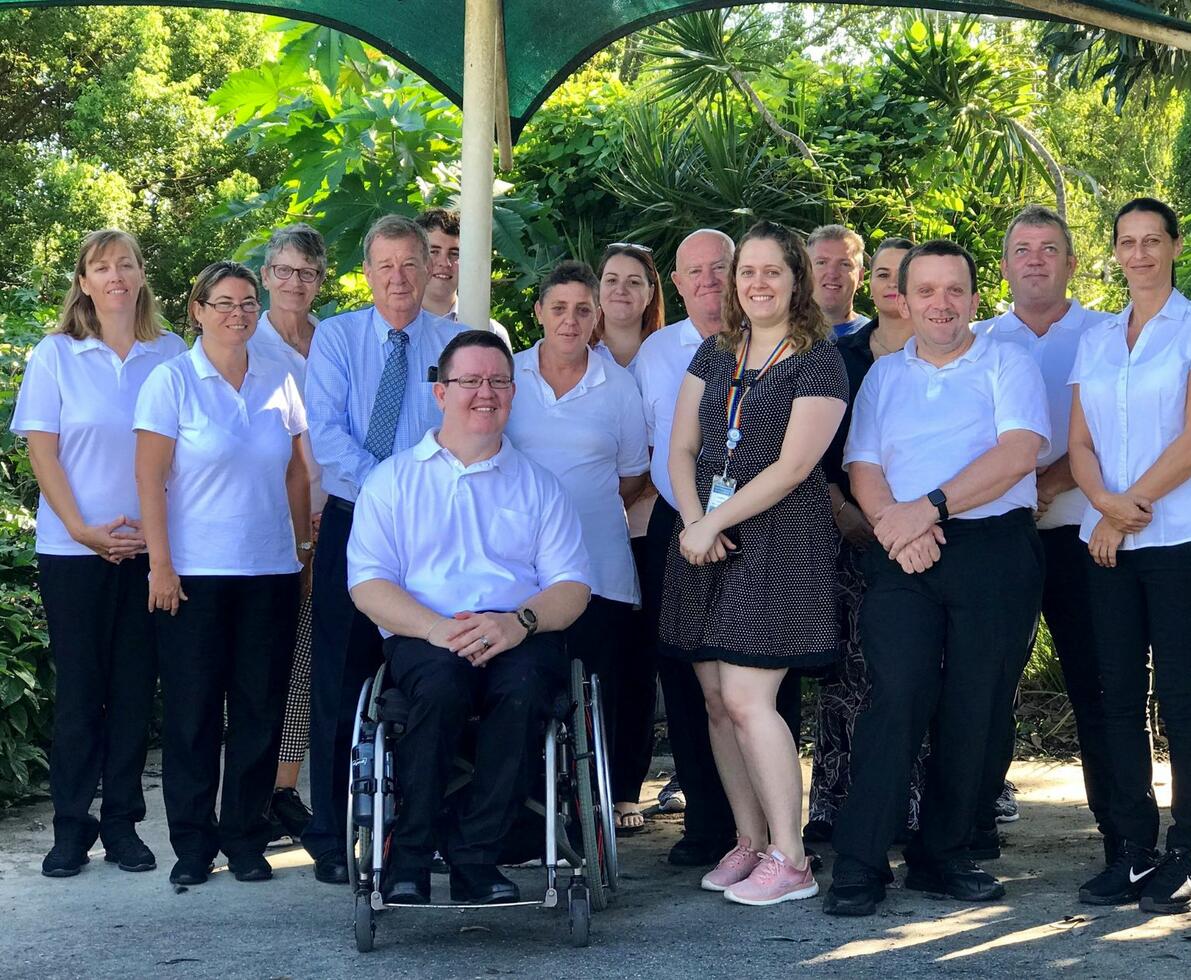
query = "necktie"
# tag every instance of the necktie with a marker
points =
(386, 410)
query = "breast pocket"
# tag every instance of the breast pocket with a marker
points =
(513, 535)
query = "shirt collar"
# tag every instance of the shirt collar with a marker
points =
(592, 376)
(205, 369)
(979, 344)
(94, 343)
(381, 327)
(429, 447)
(1010, 322)
(688, 333)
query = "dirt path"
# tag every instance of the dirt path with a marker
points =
(107, 924)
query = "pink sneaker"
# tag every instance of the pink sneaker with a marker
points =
(734, 866)
(774, 880)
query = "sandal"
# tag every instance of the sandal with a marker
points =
(629, 817)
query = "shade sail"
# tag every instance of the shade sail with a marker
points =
(546, 40)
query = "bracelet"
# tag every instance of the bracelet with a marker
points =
(842, 505)
(429, 631)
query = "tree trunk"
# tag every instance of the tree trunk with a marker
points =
(747, 91)
(1052, 166)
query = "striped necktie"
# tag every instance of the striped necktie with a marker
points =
(386, 410)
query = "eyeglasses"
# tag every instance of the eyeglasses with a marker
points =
(471, 382)
(227, 306)
(640, 248)
(287, 271)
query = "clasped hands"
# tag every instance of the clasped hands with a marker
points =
(701, 544)
(1120, 514)
(104, 540)
(477, 637)
(910, 534)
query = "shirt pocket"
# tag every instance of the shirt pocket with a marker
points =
(513, 535)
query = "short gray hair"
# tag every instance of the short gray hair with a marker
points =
(837, 233)
(393, 226)
(1038, 216)
(301, 237)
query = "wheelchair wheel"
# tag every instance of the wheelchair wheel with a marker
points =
(354, 832)
(604, 783)
(591, 825)
(365, 925)
(579, 912)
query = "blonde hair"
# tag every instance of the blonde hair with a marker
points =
(79, 319)
(806, 325)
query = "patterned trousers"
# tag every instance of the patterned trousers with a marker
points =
(295, 734)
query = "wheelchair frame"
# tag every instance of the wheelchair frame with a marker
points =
(578, 789)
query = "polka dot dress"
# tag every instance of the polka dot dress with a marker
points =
(775, 603)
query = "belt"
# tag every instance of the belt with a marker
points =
(347, 506)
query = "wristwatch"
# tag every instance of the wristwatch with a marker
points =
(528, 619)
(939, 499)
(305, 545)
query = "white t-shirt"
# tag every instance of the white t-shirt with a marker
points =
(1135, 404)
(1054, 353)
(589, 438)
(922, 424)
(82, 391)
(484, 537)
(267, 339)
(659, 367)
(228, 511)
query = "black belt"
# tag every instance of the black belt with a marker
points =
(339, 503)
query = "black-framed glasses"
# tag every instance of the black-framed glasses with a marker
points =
(287, 272)
(633, 245)
(227, 306)
(471, 382)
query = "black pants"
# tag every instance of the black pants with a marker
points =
(345, 649)
(512, 695)
(105, 658)
(708, 816)
(232, 641)
(1140, 607)
(937, 646)
(635, 682)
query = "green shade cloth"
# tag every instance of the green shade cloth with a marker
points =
(545, 40)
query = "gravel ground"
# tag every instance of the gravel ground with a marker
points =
(106, 923)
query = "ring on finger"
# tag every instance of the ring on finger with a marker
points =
(485, 642)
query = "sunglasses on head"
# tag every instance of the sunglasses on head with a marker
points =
(633, 245)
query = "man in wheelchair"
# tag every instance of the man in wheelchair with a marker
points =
(469, 559)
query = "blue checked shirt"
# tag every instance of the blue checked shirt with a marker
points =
(347, 357)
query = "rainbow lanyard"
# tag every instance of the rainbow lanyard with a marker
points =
(738, 390)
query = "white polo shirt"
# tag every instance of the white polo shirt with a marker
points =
(83, 392)
(606, 352)
(481, 537)
(1134, 404)
(659, 368)
(267, 339)
(589, 438)
(922, 424)
(1054, 353)
(228, 512)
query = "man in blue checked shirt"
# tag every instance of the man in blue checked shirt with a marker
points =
(367, 396)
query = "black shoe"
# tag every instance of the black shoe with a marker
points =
(688, 853)
(67, 856)
(1112, 848)
(130, 854)
(1168, 889)
(854, 893)
(290, 812)
(253, 867)
(1123, 880)
(813, 856)
(408, 886)
(481, 884)
(330, 868)
(190, 871)
(960, 878)
(984, 845)
(817, 832)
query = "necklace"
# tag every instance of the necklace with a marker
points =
(876, 340)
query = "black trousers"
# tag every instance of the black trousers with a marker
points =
(513, 694)
(105, 658)
(708, 817)
(344, 650)
(636, 695)
(231, 642)
(1139, 608)
(937, 646)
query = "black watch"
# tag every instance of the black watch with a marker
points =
(939, 499)
(528, 619)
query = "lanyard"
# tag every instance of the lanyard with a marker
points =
(738, 390)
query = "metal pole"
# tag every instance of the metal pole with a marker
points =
(479, 118)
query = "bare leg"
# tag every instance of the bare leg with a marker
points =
(287, 775)
(738, 787)
(749, 696)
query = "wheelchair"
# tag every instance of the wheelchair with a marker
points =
(577, 803)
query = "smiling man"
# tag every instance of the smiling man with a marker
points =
(945, 438)
(1038, 262)
(367, 397)
(837, 264)
(488, 577)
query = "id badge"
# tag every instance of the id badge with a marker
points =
(722, 488)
